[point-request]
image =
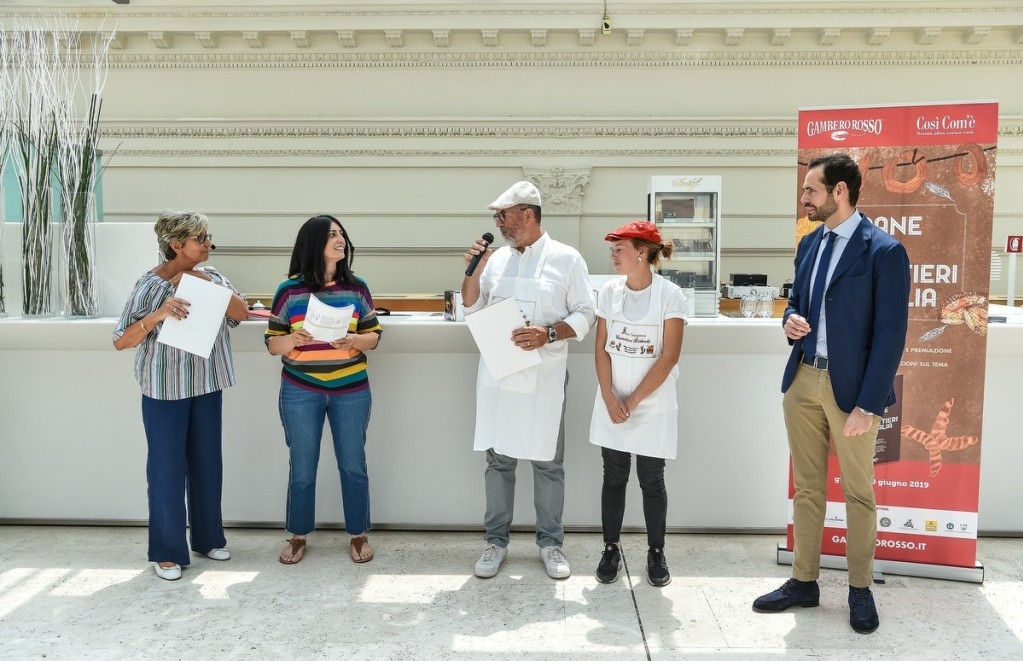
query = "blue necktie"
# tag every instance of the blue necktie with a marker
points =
(817, 295)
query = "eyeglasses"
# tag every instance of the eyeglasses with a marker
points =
(203, 238)
(502, 214)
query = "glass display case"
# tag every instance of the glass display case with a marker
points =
(687, 212)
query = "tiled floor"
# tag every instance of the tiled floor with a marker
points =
(87, 593)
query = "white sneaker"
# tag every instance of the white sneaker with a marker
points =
(218, 554)
(167, 573)
(555, 562)
(490, 561)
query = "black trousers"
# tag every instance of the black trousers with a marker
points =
(617, 466)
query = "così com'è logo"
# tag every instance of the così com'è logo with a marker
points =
(840, 129)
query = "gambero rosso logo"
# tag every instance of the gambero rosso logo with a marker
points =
(840, 129)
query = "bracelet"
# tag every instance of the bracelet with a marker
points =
(144, 329)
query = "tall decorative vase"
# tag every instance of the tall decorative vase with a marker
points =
(79, 288)
(3, 228)
(37, 253)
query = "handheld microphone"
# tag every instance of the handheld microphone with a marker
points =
(212, 247)
(488, 238)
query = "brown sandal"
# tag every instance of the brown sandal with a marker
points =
(297, 548)
(358, 544)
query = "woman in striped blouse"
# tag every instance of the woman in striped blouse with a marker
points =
(324, 380)
(181, 398)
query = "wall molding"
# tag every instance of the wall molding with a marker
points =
(362, 251)
(406, 131)
(577, 58)
(433, 153)
(404, 153)
(415, 128)
(452, 251)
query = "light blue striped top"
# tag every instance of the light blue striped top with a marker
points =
(165, 372)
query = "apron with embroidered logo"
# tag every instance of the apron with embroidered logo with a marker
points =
(519, 416)
(652, 428)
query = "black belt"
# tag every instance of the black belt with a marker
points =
(816, 362)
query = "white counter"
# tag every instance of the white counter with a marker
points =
(73, 447)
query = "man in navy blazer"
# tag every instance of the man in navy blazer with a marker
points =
(846, 348)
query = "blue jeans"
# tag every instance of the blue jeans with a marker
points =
(302, 414)
(185, 457)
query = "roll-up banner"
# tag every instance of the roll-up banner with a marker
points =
(929, 181)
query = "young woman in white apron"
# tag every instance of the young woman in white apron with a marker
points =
(638, 343)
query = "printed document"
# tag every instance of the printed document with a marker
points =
(325, 323)
(492, 327)
(197, 332)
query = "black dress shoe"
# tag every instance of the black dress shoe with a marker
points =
(862, 611)
(793, 593)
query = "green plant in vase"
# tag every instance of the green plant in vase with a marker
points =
(6, 137)
(3, 225)
(32, 54)
(78, 171)
(37, 147)
(78, 174)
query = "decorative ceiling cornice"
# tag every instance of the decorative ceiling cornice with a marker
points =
(169, 9)
(232, 33)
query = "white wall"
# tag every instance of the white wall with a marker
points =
(277, 116)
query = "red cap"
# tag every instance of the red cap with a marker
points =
(637, 229)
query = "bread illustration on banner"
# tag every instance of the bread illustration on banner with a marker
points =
(966, 307)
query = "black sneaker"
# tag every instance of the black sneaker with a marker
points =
(657, 568)
(610, 563)
(862, 611)
(792, 593)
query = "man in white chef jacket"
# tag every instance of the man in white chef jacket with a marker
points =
(522, 415)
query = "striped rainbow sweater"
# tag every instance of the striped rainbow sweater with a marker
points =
(318, 366)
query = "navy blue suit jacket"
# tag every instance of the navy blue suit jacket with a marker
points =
(866, 310)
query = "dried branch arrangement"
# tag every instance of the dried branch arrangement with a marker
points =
(6, 138)
(56, 154)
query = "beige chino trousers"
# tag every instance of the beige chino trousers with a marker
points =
(810, 414)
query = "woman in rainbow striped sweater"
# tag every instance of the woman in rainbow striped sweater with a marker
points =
(324, 379)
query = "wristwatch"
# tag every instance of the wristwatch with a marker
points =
(864, 411)
(552, 334)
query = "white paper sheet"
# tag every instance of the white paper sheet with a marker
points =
(491, 328)
(325, 323)
(198, 331)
